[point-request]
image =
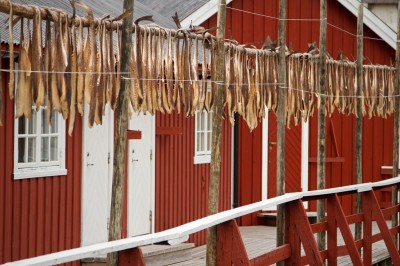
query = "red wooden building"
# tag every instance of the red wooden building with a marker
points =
(257, 149)
(55, 189)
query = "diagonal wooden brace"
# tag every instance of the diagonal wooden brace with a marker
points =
(346, 233)
(132, 257)
(300, 227)
(383, 227)
(230, 246)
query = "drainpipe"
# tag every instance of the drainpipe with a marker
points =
(235, 203)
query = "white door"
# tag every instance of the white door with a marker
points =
(141, 176)
(96, 178)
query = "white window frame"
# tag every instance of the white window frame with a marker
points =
(37, 168)
(204, 156)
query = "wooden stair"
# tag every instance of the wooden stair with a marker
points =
(154, 255)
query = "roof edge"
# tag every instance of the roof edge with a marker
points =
(373, 22)
(202, 14)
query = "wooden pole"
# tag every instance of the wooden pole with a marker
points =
(395, 199)
(117, 195)
(322, 120)
(359, 115)
(280, 168)
(215, 167)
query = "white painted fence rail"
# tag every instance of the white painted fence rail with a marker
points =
(181, 233)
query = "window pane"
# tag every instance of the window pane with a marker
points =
(198, 142)
(209, 141)
(201, 141)
(45, 124)
(21, 125)
(32, 124)
(21, 149)
(53, 149)
(209, 121)
(202, 121)
(54, 122)
(198, 118)
(31, 150)
(44, 149)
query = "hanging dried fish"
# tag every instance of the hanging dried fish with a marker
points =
(118, 65)
(74, 79)
(11, 85)
(204, 83)
(66, 83)
(48, 69)
(37, 60)
(194, 76)
(93, 66)
(145, 68)
(177, 58)
(80, 69)
(169, 75)
(112, 85)
(24, 95)
(160, 69)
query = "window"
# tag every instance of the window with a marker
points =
(39, 146)
(202, 137)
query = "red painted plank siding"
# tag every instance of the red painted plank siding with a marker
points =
(181, 186)
(248, 28)
(38, 215)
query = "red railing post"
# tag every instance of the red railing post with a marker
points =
(291, 235)
(132, 257)
(331, 231)
(367, 229)
(230, 246)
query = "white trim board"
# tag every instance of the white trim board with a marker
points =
(202, 14)
(372, 21)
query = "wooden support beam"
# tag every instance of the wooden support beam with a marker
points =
(281, 253)
(377, 215)
(117, 194)
(332, 231)
(395, 218)
(230, 246)
(215, 167)
(346, 233)
(367, 228)
(282, 92)
(292, 236)
(321, 147)
(359, 115)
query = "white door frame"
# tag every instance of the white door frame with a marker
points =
(304, 158)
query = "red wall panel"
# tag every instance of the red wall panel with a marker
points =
(181, 186)
(254, 28)
(38, 215)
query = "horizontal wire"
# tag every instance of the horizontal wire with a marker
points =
(317, 94)
(304, 19)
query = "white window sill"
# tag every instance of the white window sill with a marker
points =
(202, 159)
(21, 174)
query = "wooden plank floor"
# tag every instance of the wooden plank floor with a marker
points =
(260, 239)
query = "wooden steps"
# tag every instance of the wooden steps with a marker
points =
(155, 255)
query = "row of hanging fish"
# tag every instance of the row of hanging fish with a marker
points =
(63, 65)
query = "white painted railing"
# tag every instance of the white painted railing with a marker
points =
(181, 233)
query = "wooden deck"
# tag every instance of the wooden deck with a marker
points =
(260, 239)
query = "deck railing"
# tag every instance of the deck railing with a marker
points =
(299, 232)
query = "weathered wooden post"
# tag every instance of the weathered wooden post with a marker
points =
(322, 120)
(215, 167)
(117, 195)
(360, 102)
(282, 92)
(396, 125)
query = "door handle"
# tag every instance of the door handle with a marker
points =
(89, 164)
(135, 160)
(272, 143)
